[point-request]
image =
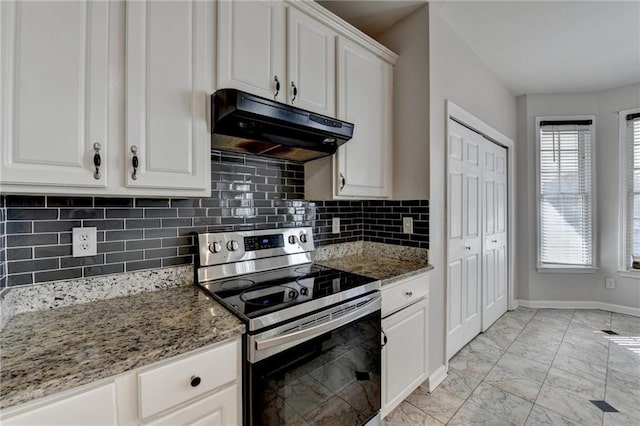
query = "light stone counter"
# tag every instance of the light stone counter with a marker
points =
(386, 262)
(48, 351)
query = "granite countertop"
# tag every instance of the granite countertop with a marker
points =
(45, 352)
(386, 269)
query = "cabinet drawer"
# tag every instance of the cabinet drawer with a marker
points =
(403, 293)
(93, 407)
(169, 385)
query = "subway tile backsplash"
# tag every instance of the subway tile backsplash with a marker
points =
(140, 233)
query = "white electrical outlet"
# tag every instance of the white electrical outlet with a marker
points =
(610, 283)
(407, 225)
(85, 242)
(335, 225)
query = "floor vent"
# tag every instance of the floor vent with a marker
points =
(610, 332)
(604, 406)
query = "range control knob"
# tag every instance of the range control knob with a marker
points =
(303, 238)
(292, 239)
(215, 247)
(293, 294)
(304, 291)
(232, 245)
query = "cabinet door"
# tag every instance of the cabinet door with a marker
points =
(53, 92)
(311, 59)
(169, 75)
(364, 98)
(93, 407)
(251, 43)
(404, 357)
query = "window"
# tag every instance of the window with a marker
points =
(630, 188)
(566, 193)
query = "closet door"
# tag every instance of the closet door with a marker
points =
(494, 228)
(464, 237)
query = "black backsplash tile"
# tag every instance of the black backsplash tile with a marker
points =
(247, 193)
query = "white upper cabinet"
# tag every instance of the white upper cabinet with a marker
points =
(169, 75)
(53, 92)
(364, 98)
(292, 62)
(251, 47)
(311, 60)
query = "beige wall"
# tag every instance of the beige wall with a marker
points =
(575, 287)
(409, 38)
(457, 74)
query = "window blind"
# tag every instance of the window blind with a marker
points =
(566, 198)
(633, 185)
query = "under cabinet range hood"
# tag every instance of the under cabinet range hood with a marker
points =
(249, 124)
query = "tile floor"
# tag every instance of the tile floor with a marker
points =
(537, 367)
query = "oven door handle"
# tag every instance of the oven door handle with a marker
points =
(309, 333)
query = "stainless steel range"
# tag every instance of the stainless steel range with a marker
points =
(312, 348)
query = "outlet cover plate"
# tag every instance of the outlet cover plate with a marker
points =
(85, 241)
(407, 225)
(610, 283)
(335, 225)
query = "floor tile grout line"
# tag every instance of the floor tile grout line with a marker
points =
(606, 373)
(492, 367)
(549, 369)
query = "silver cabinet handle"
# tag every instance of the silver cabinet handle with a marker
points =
(277, 87)
(97, 161)
(342, 181)
(494, 241)
(409, 293)
(467, 247)
(134, 162)
(295, 91)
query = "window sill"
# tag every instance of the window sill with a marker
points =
(630, 273)
(566, 269)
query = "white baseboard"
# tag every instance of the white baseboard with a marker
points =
(574, 304)
(437, 377)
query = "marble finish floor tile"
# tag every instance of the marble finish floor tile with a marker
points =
(473, 414)
(581, 368)
(501, 336)
(569, 405)
(592, 354)
(625, 324)
(440, 404)
(517, 384)
(459, 384)
(619, 419)
(624, 355)
(582, 386)
(473, 363)
(529, 368)
(406, 414)
(624, 401)
(592, 318)
(501, 404)
(539, 354)
(540, 416)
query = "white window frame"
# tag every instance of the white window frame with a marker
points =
(623, 268)
(543, 267)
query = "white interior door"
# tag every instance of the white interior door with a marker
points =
(494, 250)
(464, 236)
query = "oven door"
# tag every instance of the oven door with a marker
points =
(323, 369)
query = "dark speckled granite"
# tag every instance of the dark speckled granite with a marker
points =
(45, 352)
(382, 268)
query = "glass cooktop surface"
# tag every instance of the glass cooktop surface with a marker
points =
(257, 294)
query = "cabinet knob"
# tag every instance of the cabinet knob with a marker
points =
(409, 293)
(195, 381)
(384, 339)
(467, 247)
(295, 91)
(97, 161)
(134, 162)
(342, 181)
(494, 241)
(277, 87)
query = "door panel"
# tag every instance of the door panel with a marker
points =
(495, 236)
(464, 241)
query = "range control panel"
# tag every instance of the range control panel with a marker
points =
(227, 247)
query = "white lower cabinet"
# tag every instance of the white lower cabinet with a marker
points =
(405, 354)
(198, 388)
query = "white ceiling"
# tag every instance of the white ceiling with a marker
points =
(532, 46)
(372, 16)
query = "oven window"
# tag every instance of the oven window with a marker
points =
(332, 379)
